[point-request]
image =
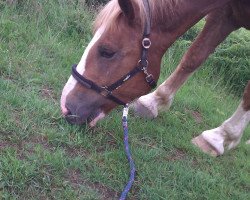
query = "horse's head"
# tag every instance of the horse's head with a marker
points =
(114, 51)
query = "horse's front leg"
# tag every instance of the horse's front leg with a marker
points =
(218, 26)
(161, 99)
(228, 134)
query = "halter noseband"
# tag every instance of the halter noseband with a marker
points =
(142, 66)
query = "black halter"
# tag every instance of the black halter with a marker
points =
(142, 66)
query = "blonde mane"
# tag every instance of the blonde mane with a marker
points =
(160, 9)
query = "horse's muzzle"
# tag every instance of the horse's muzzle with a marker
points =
(73, 119)
(82, 115)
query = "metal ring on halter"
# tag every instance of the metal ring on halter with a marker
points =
(146, 43)
(144, 65)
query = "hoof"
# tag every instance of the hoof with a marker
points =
(143, 110)
(202, 144)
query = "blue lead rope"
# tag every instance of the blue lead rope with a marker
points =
(128, 154)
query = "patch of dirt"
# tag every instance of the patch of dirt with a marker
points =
(180, 154)
(111, 143)
(47, 93)
(21, 147)
(177, 154)
(73, 152)
(4, 144)
(16, 114)
(27, 147)
(42, 140)
(196, 115)
(17, 147)
(195, 162)
(7, 78)
(74, 176)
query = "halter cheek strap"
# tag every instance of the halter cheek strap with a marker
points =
(142, 66)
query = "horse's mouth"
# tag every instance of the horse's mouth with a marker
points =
(91, 119)
(95, 117)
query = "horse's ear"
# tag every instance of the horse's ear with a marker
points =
(127, 9)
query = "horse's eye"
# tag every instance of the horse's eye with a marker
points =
(106, 53)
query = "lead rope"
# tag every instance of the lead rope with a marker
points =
(128, 154)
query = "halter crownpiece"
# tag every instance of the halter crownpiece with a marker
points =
(142, 66)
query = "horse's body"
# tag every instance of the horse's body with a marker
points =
(219, 24)
(115, 49)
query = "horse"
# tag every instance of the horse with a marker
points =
(122, 62)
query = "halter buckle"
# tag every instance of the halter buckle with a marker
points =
(150, 80)
(146, 43)
(105, 92)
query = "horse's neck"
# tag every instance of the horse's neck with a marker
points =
(186, 13)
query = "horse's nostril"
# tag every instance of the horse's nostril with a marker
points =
(72, 119)
(68, 113)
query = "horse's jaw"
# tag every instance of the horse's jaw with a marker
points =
(94, 121)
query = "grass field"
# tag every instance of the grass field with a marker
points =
(43, 157)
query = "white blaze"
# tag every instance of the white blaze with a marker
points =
(80, 68)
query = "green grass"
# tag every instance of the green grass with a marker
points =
(43, 157)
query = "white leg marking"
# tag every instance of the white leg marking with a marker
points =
(80, 68)
(230, 132)
(215, 137)
(149, 105)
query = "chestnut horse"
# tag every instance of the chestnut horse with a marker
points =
(116, 49)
